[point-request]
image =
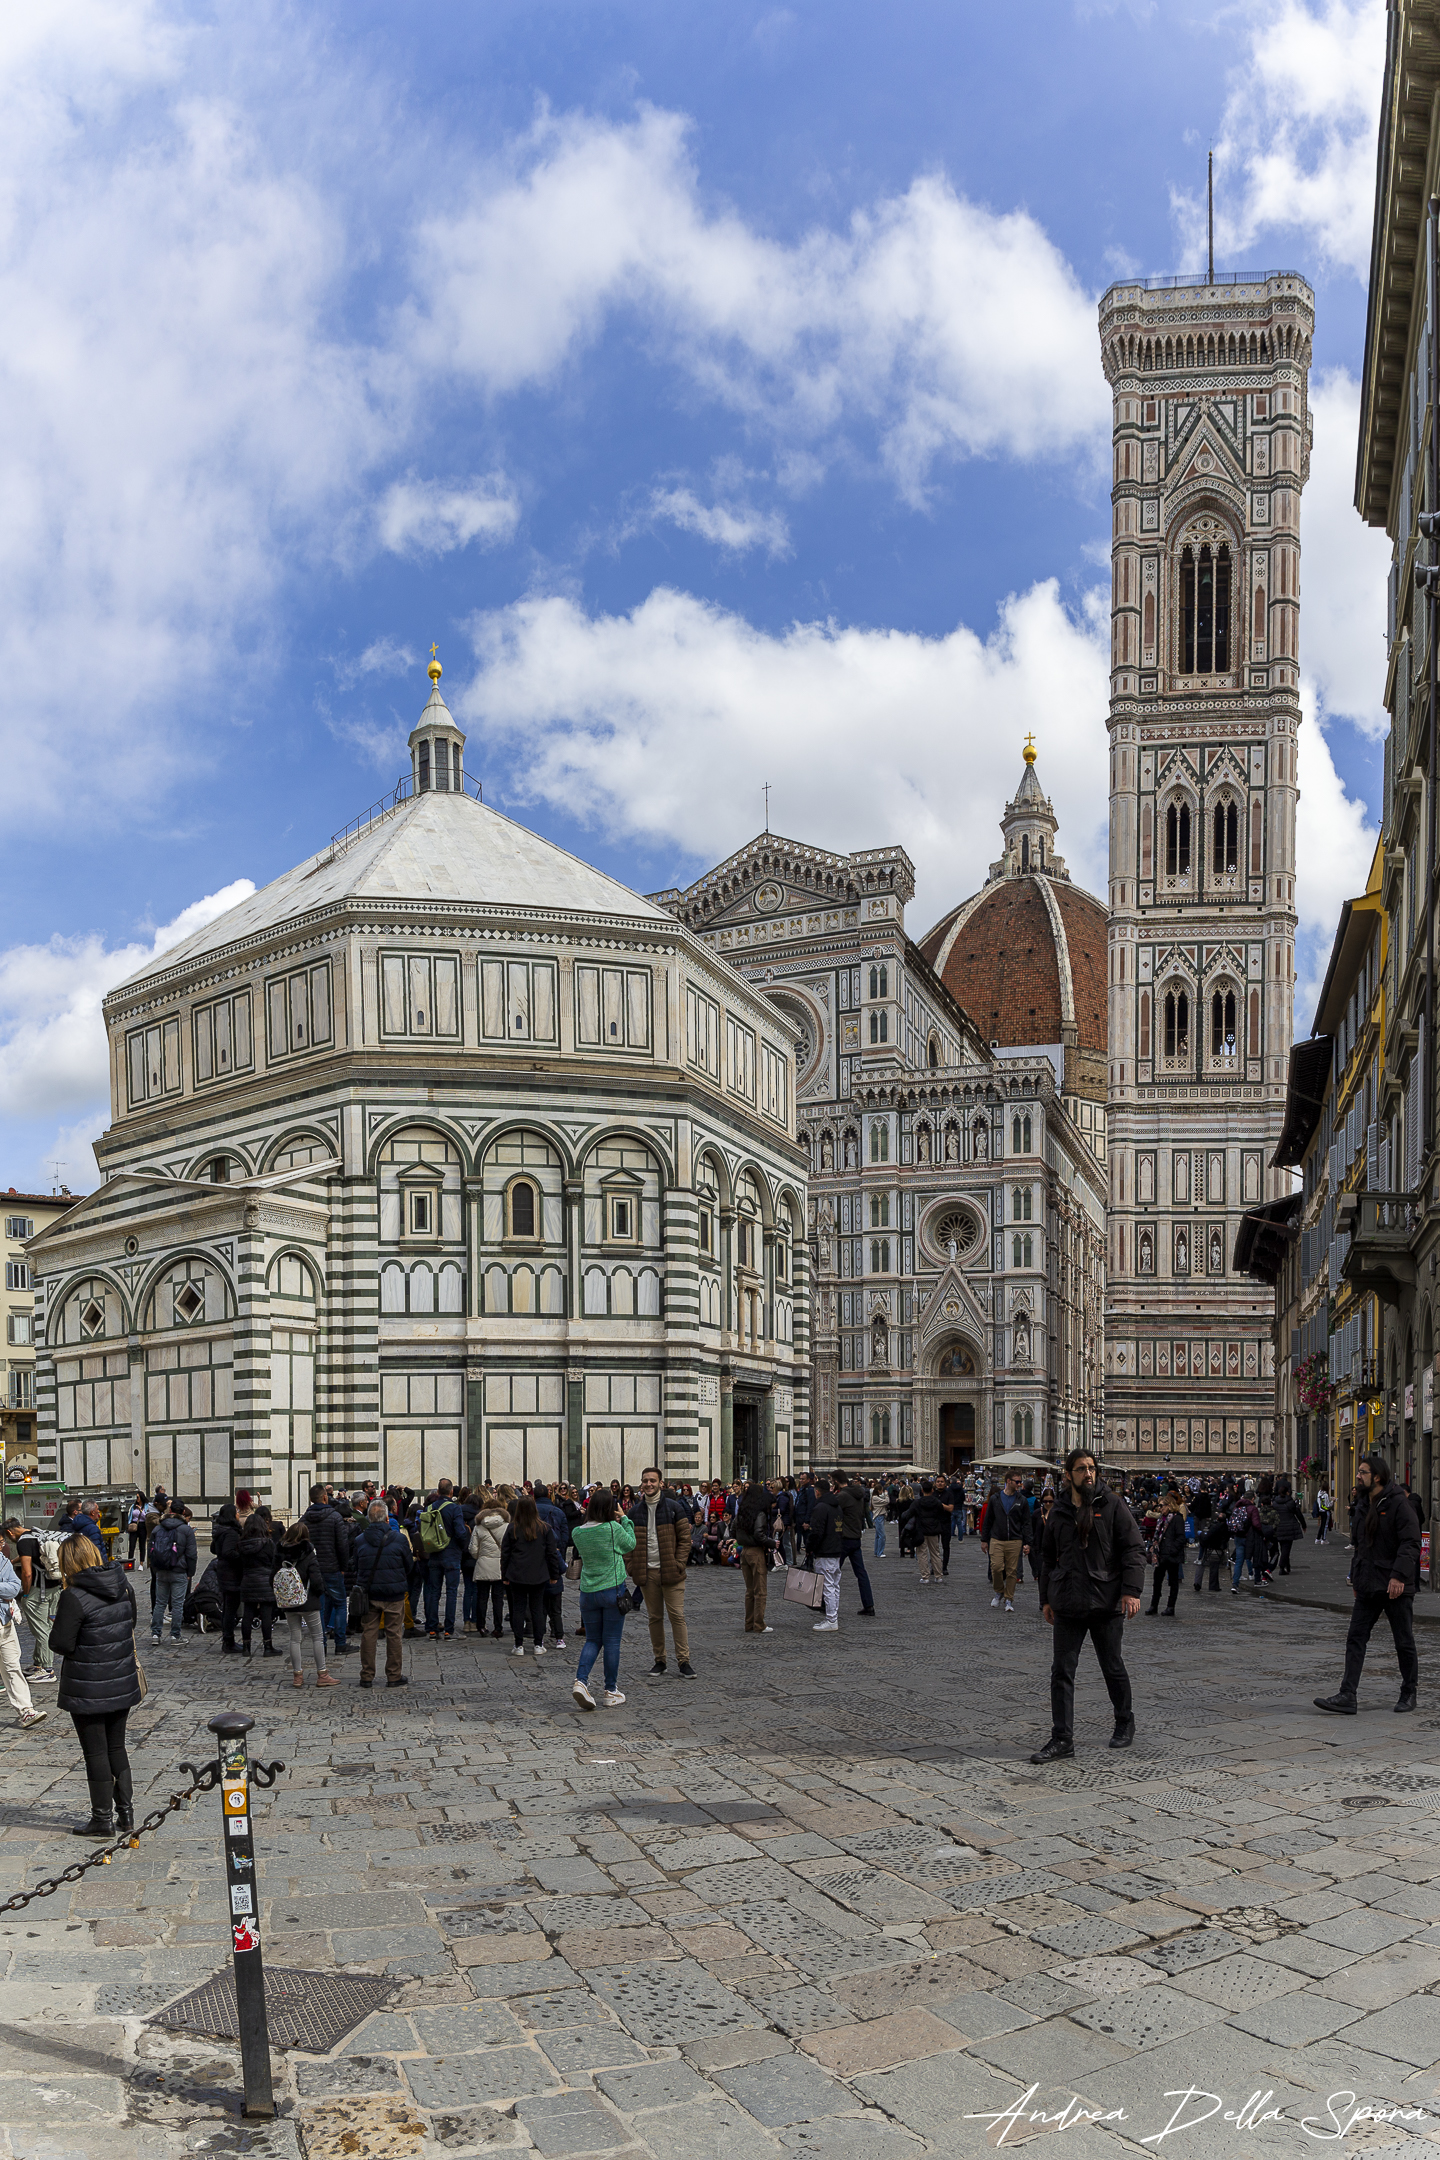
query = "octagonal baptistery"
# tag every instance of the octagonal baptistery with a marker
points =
(442, 1155)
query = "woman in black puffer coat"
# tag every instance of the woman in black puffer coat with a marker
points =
(94, 1634)
(257, 1561)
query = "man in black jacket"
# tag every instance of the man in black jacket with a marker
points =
(330, 1543)
(826, 1547)
(1384, 1576)
(853, 1501)
(1092, 1570)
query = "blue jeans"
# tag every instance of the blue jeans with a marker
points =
(171, 1585)
(334, 1609)
(879, 1537)
(441, 1567)
(850, 1550)
(1242, 1553)
(604, 1623)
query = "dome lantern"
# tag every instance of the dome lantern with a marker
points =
(437, 745)
(1029, 827)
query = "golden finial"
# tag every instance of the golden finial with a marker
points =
(1029, 749)
(434, 671)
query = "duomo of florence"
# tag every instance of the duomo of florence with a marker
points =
(446, 1155)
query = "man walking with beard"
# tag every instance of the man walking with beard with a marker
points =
(1092, 1570)
(1384, 1575)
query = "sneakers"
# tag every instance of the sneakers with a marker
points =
(658, 1666)
(1344, 1705)
(519, 1650)
(32, 1717)
(42, 1676)
(687, 1671)
(1008, 1606)
(994, 1604)
(826, 1627)
(559, 1642)
(612, 1699)
(582, 1695)
(1054, 1751)
(762, 1631)
(539, 1650)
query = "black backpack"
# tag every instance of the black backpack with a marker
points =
(167, 1546)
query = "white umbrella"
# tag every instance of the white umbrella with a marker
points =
(1016, 1459)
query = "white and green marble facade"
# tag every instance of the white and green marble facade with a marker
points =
(313, 1258)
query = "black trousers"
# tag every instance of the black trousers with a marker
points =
(1170, 1572)
(496, 1594)
(1285, 1544)
(229, 1615)
(1400, 1612)
(263, 1610)
(945, 1536)
(1105, 1630)
(528, 1599)
(107, 1766)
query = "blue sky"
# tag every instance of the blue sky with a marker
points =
(719, 388)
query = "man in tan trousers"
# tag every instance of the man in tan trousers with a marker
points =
(658, 1564)
(1005, 1532)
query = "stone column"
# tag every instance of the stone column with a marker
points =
(250, 1430)
(574, 1192)
(727, 1428)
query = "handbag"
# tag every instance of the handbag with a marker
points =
(629, 1597)
(573, 1567)
(804, 1587)
(139, 1668)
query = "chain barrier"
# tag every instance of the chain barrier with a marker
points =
(202, 1780)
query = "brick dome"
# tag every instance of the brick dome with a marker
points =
(1026, 959)
(1026, 956)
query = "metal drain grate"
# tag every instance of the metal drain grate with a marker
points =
(1367, 1799)
(309, 2010)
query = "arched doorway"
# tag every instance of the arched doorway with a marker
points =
(957, 1371)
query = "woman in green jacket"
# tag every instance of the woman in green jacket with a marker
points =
(602, 1541)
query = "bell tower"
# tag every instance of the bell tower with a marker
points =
(1211, 450)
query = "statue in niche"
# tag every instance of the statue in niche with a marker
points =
(952, 1144)
(1022, 1343)
(824, 1228)
(982, 1143)
(827, 1152)
(879, 1341)
(922, 1144)
(851, 1156)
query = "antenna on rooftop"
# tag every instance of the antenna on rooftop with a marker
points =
(767, 806)
(1210, 209)
(55, 1169)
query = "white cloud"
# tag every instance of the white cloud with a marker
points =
(424, 517)
(950, 328)
(53, 1053)
(383, 656)
(659, 727)
(1296, 152)
(181, 414)
(735, 527)
(1344, 567)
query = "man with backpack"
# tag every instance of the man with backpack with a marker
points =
(330, 1543)
(38, 1562)
(1006, 1530)
(172, 1556)
(443, 1536)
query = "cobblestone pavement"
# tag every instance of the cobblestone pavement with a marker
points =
(816, 1899)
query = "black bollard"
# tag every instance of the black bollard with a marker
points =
(243, 1905)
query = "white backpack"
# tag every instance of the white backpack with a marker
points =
(289, 1588)
(50, 1546)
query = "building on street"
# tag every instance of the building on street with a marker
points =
(956, 1153)
(1211, 448)
(442, 1155)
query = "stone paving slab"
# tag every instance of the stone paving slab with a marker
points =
(703, 1926)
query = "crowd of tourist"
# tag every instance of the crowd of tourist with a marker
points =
(484, 1560)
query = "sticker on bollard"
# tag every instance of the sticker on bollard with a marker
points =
(239, 1850)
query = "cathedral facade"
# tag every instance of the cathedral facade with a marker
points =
(442, 1155)
(956, 1210)
(1211, 452)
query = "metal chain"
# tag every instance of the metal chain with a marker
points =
(201, 1781)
